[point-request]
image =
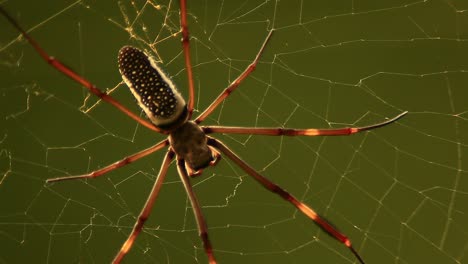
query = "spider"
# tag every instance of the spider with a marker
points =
(187, 140)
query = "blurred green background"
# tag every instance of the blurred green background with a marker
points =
(400, 192)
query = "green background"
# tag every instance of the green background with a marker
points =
(400, 192)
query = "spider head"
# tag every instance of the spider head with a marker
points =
(153, 90)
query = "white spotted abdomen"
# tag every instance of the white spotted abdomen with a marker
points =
(153, 90)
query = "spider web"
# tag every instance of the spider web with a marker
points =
(400, 193)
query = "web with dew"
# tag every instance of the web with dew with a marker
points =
(400, 193)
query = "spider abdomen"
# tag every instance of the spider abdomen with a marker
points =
(189, 142)
(153, 90)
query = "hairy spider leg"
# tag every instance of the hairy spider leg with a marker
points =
(267, 131)
(125, 161)
(186, 47)
(145, 212)
(58, 65)
(272, 187)
(201, 223)
(232, 87)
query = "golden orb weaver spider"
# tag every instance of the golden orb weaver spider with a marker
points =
(187, 140)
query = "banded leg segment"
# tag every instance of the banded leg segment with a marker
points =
(201, 223)
(115, 165)
(145, 212)
(272, 187)
(58, 65)
(186, 47)
(224, 94)
(296, 132)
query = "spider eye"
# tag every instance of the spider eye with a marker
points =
(153, 90)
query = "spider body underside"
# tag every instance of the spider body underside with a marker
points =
(187, 140)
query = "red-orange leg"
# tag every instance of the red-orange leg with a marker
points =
(297, 132)
(76, 77)
(115, 165)
(201, 223)
(188, 64)
(224, 94)
(145, 212)
(269, 185)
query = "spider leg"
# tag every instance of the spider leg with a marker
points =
(115, 165)
(297, 132)
(145, 212)
(201, 223)
(224, 94)
(58, 65)
(186, 46)
(269, 185)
